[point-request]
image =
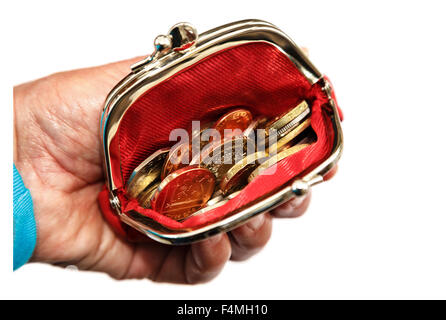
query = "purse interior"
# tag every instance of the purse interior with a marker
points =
(256, 76)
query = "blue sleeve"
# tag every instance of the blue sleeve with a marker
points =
(24, 223)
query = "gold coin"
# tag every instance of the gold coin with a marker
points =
(275, 159)
(291, 135)
(233, 195)
(237, 176)
(183, 192)
(147, 173)
(145, 198)
(215, 198)
(298, 113)
(220, 156)
(285, 134)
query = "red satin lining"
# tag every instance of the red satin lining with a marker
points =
(256, 76)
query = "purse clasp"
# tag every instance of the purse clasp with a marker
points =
(180, 37)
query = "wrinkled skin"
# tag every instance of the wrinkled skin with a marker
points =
(57, 152)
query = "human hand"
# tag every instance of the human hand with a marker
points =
(58, 154)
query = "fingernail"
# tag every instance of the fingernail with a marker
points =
(256, 222)
(215, 239)
(291, 206)
(297, 202)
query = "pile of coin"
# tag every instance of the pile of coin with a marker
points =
(218, 161)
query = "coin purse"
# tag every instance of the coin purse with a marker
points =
(248, 63)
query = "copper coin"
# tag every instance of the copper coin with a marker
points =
(196, 134)
(147, 173)
(178, 157)
(258, 123)
(237, 119)
(207, 208)
(183, 192)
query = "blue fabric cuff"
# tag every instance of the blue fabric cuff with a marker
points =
(24, 223)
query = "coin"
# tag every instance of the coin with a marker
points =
(292, 134)
(178, 157)
(286, 133)
(236, 119)
(237, 176)
(215, 198)
(145, 198)
(233, 195)
(183, 192)
(206, 209)
(147, 173)
(306, 137)
(275, 159)
(258, 123)
(220, 156)
(196, 134)
(296, 114)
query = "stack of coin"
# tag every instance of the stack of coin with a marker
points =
(180, 183)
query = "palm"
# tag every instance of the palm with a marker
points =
(58, 155)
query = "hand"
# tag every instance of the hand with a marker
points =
(57, 152)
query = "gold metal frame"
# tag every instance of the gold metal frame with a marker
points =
(163, 64)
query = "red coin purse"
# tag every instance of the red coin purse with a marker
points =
(249, 63)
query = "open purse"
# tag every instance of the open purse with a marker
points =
(249, 63)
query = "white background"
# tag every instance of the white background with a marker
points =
(377, 230)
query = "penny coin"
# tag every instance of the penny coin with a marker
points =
(258, 123)
(183, 192)
(147, 173)
(196, 134)
(237, 177)
(275, 159)
(178, 157)
(220, 156)
(206, 209)
(210, 206)
(237, 119)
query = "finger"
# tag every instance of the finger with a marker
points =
(199, 262)
(118, 69)
(331, 173)
(251, 237)
(105, 76)
(206, 259)
(293, 208)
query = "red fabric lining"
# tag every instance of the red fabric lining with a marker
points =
(256, 76)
